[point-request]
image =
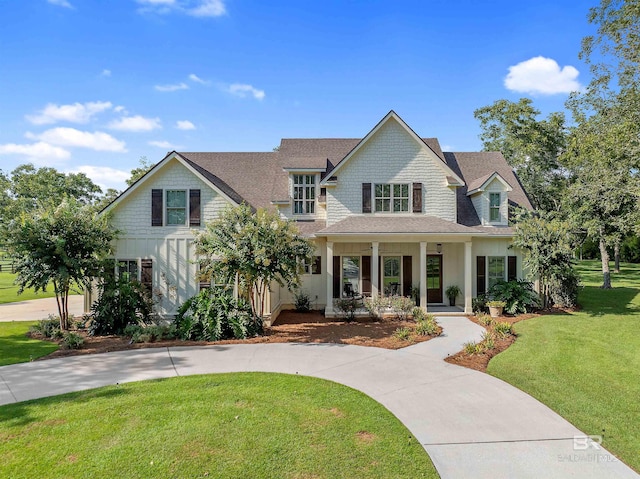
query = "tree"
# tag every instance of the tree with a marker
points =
(548, 244)
(137, 173)
(530, 146)
(60, 245)
(106, 199)
(256, 248)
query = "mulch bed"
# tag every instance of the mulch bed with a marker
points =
(291, 326)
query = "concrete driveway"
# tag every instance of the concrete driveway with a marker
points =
(470, 423)
(35, 309)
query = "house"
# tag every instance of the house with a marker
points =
(388, 213)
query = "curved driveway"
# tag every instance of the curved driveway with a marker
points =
(470, 423)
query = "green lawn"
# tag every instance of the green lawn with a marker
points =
(586, 365)
(9, 291)
(16, 347)
(247, 425)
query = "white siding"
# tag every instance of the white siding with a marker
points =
(481, 202)
(391, 155)
(495, 247)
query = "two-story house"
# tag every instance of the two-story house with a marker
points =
(390, 213)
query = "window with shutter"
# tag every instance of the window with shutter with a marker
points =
(417, 197)
(156, 208)
(366, 197)
(194, 207)
(481, 281)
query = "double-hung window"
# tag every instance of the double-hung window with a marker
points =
(494, 207)
(304, 194)
(127, 269)
(496, 270)
(176, 201)
(392, 197)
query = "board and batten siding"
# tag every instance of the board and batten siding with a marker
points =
(391, 155)
(169, 247)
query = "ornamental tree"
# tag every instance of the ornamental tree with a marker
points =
(62, 246)
(256, 248)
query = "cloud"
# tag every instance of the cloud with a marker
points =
(185, 125)
(62, 136)
(36, 151)
(542, 75)
(164, 144)
(104, 176)
(242, 90)
(136, 123)
(194, 8)
(75, 113)
(60, 3)
(179, 86)
(105, 73)
(195, 78)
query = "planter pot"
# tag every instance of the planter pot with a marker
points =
(495, 311)
(452, 301)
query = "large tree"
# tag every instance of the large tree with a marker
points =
(530, 145)
(257, 248)
(140, 171)
(60, 246)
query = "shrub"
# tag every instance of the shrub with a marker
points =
(121, 302)
(563, 288)
(488, 340)
(47, 328)
(302, 301)
(503, 329)
(348, 308)
(518, 296)
(72, 340)
(472, 347)
(418, 314)
(485, 319)
(214, 315)
(403, 334)
(479, 304)
(427, 327)
(402, 306)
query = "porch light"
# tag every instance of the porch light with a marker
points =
(439, 248)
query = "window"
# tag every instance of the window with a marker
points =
(176, 207)
(496, 270)
(494, 207)
(304, 194)
(350, 275)
(313, 267)
(392, 197)
(127, 269)
(391, 275)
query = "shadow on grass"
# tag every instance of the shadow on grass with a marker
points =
(19, 348)
(596, 301)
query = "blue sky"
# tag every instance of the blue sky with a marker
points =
(89, 85)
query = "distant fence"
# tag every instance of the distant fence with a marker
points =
(6, 263)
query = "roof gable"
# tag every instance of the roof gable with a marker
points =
(480, 184)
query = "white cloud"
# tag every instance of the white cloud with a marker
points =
(542, 75)
(120, 109)
(104, 176)
(194, 8)
(164, 144)
(195, 78)
(60, 3)
(185, 125)
(176, 87)
(75, 113)
(105, 73)
(62, 136)
(136, 123)
(242, 90)
(36, 151)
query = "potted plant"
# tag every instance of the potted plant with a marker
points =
(495, 308)
(452, 293)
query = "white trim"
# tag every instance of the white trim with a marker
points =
(495, 175)
(304, 170)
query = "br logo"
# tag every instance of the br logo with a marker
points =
(582, 443)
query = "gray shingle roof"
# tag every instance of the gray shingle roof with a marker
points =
(397, 224)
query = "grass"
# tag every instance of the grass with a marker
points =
(9, 291)
(586, 365)
(242, 425)
(16, 347)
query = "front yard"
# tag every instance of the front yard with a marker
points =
(16, 347)
(586, 365)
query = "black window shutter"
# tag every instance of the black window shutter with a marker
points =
(366, 197)
(194, 207)
(512, 271)
(407, 275)
(317, 265)
(336, 276)
(146, 273)
(156, 208)
(417, 197)
(481, 282)
(366, 274)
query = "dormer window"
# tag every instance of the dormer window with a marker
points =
(494, 207)
(392, 197)
(304, 194)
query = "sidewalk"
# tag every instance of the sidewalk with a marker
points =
(470, 423)
(35, 309)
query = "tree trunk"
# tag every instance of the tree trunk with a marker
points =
(606, 274)
(616, 256)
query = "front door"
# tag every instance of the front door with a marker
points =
(434, 278)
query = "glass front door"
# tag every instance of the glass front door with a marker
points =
(434, 278)
(391, 276)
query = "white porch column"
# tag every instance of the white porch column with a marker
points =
(375, 271)
(329, 308)
(423, 275)
(467, 278)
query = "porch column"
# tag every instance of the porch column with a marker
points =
(375, 272)
(467, 278)
(329, 308)
(423, 275)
